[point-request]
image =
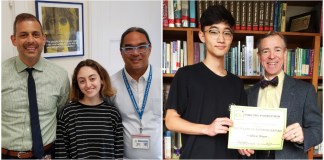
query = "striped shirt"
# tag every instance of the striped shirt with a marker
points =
(89, 132)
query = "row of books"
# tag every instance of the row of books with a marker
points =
(172, 145)
(299, 62)
(249, 15)
(174, 56)
(241, 60)
(179, 13)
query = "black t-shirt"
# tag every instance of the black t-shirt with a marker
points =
(200, 96)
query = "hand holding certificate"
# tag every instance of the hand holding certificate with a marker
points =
(257, 128)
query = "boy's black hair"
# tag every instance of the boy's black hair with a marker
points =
(216, 14)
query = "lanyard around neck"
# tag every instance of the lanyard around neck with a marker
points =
(131, 95)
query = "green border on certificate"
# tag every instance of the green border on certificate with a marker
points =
(257, 128)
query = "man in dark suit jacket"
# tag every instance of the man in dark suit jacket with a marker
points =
(304, 121)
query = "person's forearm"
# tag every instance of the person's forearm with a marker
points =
(175, 123)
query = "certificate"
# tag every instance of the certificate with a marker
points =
(257, 128)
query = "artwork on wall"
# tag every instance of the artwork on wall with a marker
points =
(63, 25)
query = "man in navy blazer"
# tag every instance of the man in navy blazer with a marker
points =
(304, 121)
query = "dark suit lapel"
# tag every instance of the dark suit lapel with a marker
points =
(287, 95)
(253, 95)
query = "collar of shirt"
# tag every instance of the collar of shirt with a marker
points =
(20, 66)
(144, 77)
(271, 96)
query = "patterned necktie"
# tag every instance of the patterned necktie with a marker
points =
(37, 149)
(264, 83)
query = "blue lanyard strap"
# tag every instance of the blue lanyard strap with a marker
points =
(131, 95)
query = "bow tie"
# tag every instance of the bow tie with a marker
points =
(274, 82)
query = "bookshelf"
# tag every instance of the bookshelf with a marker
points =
(294, 40)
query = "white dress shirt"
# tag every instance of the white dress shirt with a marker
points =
(152, 116)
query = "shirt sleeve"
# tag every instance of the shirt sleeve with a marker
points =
(177, 98)
(119, 138)
(64, 96)
(62, 142)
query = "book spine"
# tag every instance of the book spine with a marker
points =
(164, 57)
(261, 16)
(167, 145)
(256, 68)
(249, 55)
(279, 16)
(249, 15)
(197, 52)
(311, 62)
(283, 17)
(184, 13)
(170, 13)
(212, 2)
(267, 15)
(271, 16)
(202, 52)
(174, 57)
(225, 4)
(243, 61)
(275, 16)
(181, 58)
(238, 61)
(233, 62)
(168, 58)
(177, 146)
(239, 58)
(206, 4)
(177, 13)
(192, 13)
(303, 62)
(178, 54)
(243, 15)
(165, 13)
(255, 20)
(237, 15)
(185, 53)
(232, 8)
(199, 11)
(289, 61)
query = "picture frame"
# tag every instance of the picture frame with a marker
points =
(302, 23)
(62, 24)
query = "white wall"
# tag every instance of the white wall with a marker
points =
(104, 23)
(109, 21)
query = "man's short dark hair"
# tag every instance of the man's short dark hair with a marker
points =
(216, 14)
(25, 17)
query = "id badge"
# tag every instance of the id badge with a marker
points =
(141, 141)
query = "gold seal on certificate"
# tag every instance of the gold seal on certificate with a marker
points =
(257, 128)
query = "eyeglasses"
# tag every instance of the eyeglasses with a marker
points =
(214, 33)
(140, 49)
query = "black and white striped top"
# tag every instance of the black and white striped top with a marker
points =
(89, 132)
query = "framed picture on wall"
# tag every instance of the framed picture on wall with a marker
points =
(63, 25)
